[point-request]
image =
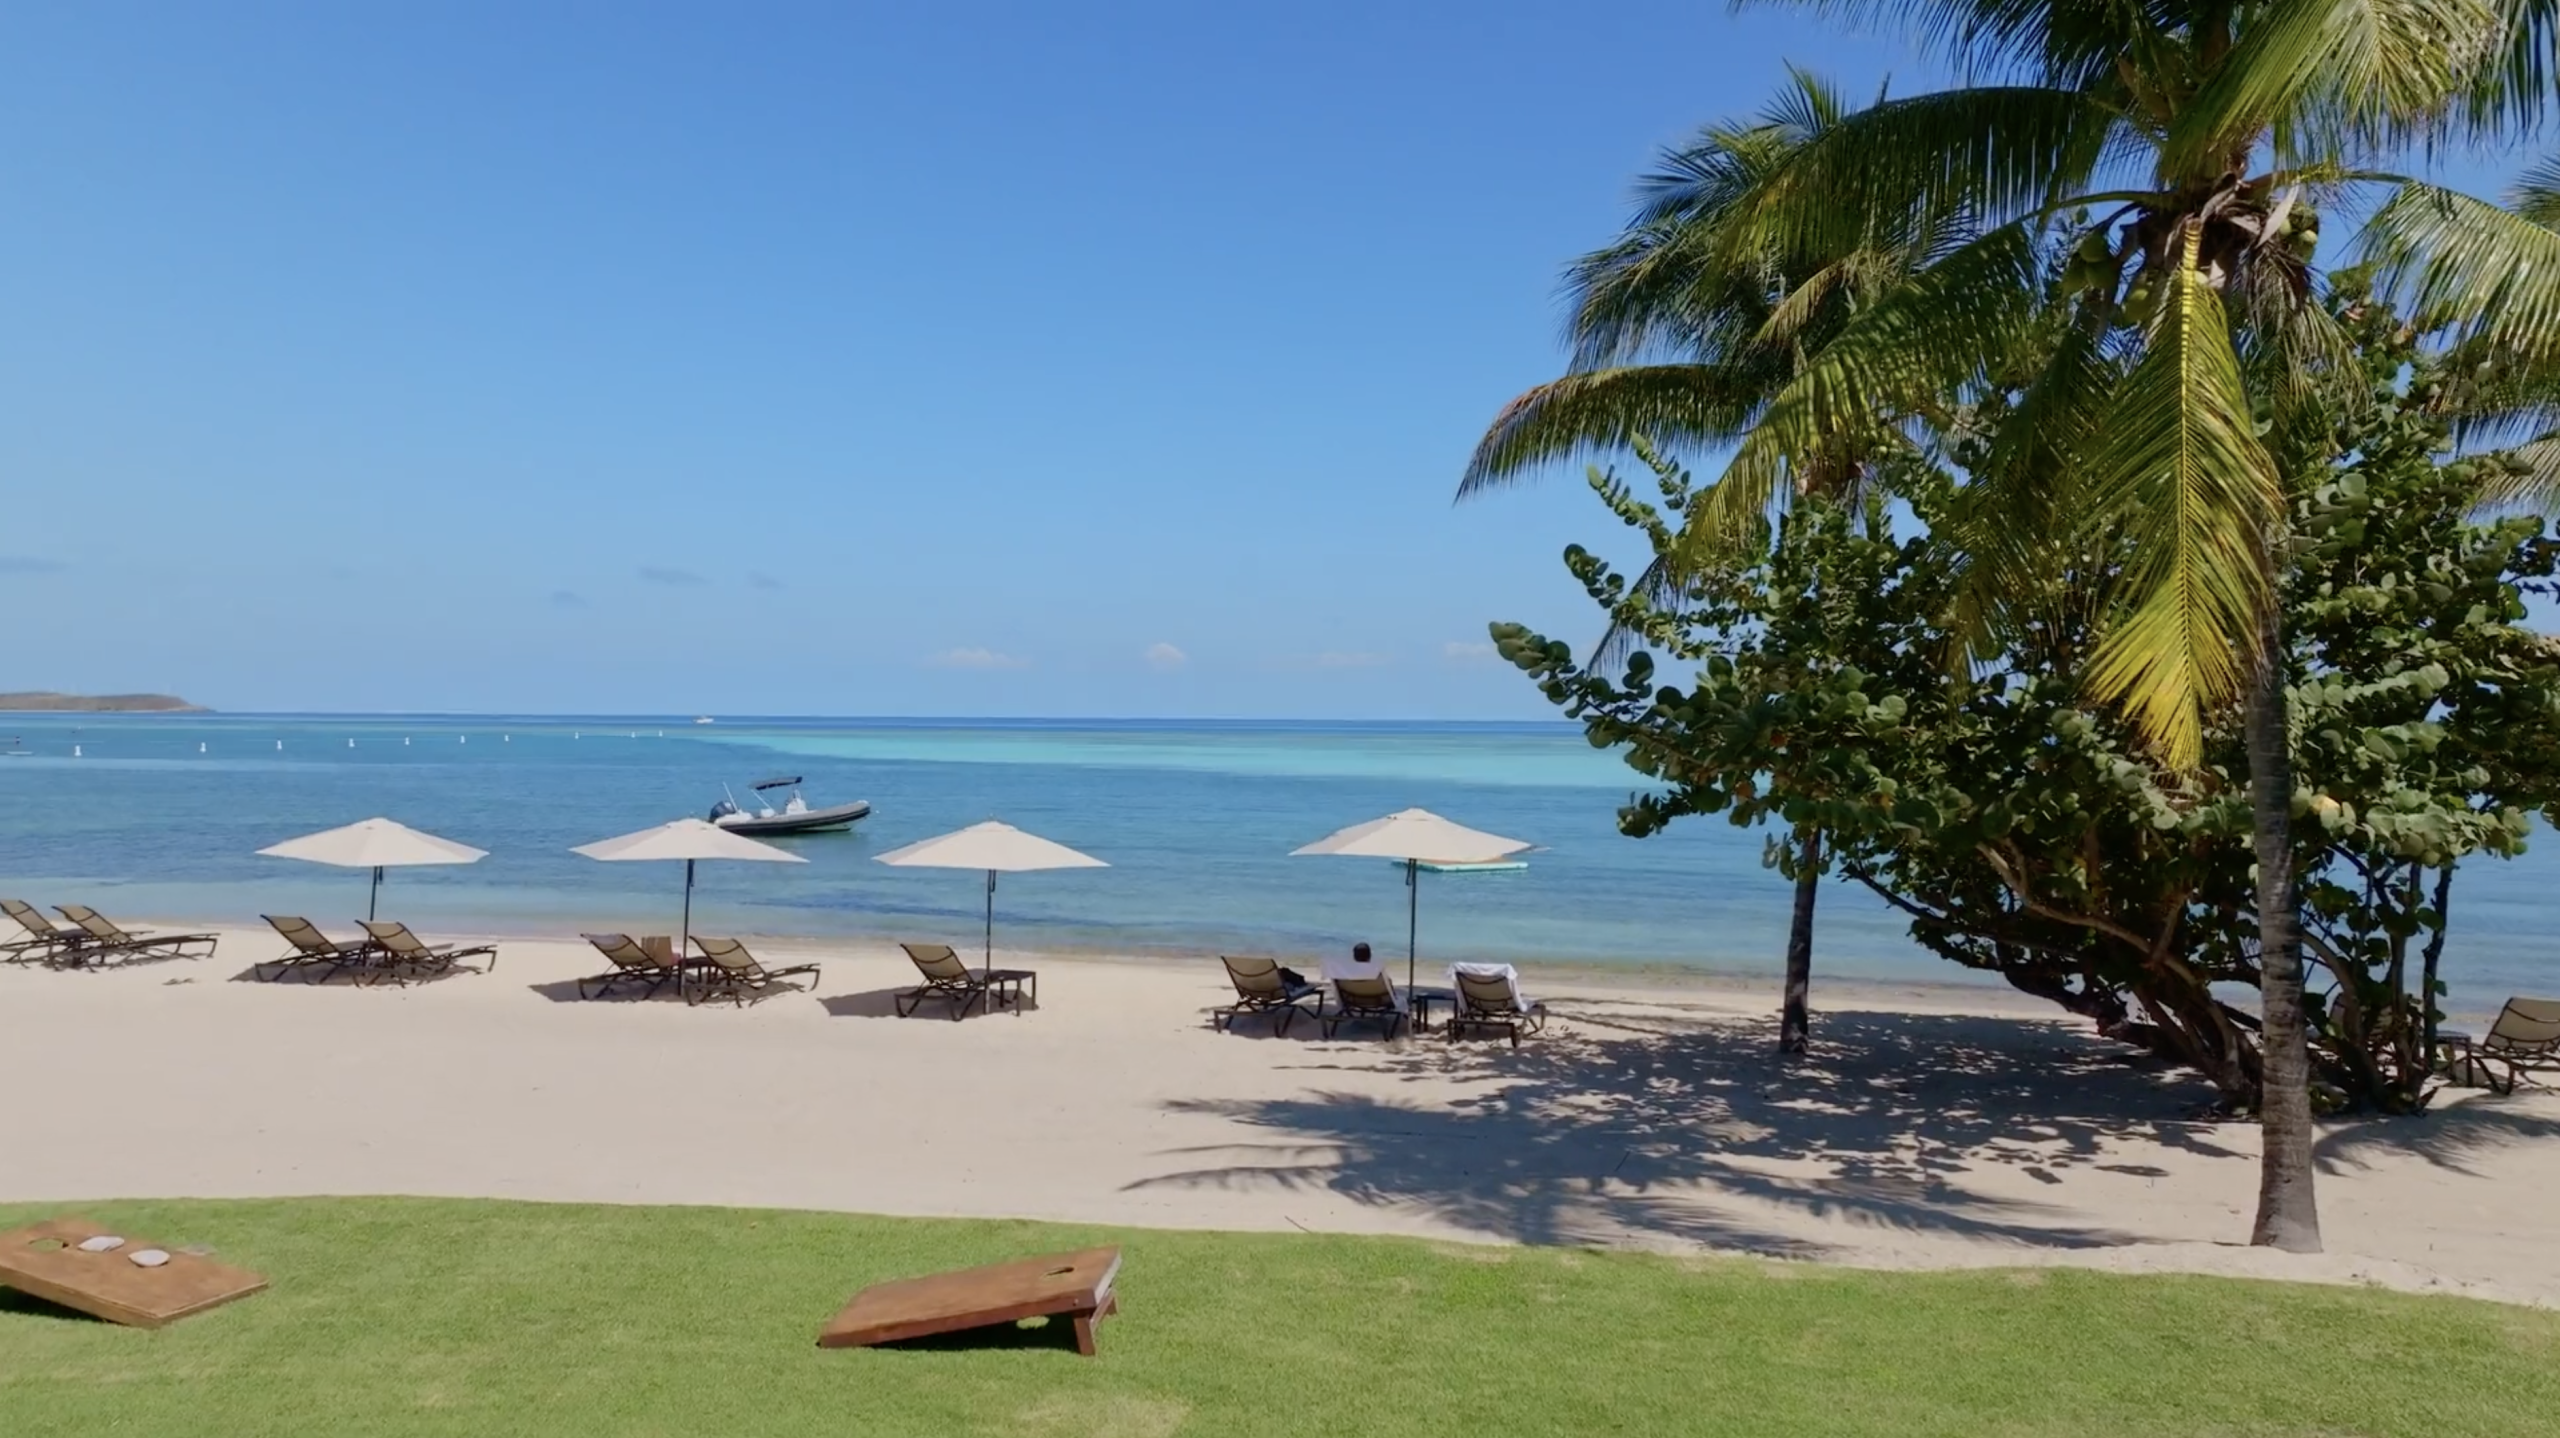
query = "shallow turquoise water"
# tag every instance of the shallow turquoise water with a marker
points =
(162, 815)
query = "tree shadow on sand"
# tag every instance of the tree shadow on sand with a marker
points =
(1658, 1125)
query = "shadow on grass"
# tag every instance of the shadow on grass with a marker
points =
(28, 1305)
(1632, 1122)
(1032, 1333)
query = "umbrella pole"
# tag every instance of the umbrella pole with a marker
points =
(373, 905)
(990, 965)
(1412, 917)
(684, 930)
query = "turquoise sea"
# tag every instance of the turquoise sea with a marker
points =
(162, 815)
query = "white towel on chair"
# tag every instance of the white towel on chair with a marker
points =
(1510, 979)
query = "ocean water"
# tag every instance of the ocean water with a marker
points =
(162, 815)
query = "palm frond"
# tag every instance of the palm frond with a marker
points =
(2452, 259)
(1919, 343)
(2180, 470)
(1584, 415)
(2322, 77)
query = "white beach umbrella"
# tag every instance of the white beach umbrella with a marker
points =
(996, 848)
(375, 844)
(1418, 837)
(691, 840)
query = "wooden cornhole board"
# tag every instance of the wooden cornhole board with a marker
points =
(111, 1285)
(1074, 1285)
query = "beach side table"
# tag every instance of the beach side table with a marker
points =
(1421, 997)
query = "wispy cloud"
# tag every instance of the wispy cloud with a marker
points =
(760, 580)
(659, 574)
(568, 599)
(29, 564)
(1165, 656)
(1460, 651)
(975, 659)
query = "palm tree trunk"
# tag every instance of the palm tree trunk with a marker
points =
(2288, 1214)
(1795, 1023)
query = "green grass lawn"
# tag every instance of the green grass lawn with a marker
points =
(398, 1316)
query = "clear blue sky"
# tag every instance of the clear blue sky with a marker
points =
(949, 359)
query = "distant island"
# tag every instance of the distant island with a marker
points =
(46, 701)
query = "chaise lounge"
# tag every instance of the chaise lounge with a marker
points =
(2524, 1040)
(312, 949)
(1489, 998)
(1260, 989)
(948, 976)
(106, 938)
(401, 950)
(46, 942)
(1366, 996)
(728, 971)
(632, 964)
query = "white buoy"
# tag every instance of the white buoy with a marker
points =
(75, 751)
(351, 743)
(463, 739)
(199, 746)
(404, 741)
(279, 746)
(506, 738)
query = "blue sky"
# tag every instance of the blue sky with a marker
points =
(953, 359)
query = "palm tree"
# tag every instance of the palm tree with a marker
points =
(1680, 338)
(2160, 169)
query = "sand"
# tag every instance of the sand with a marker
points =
(1933, 1128)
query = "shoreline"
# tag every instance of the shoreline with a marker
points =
(1927, 1130)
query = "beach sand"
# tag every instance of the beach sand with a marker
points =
(1933, 1127)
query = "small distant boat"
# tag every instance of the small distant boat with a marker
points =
(17, 750)
(794, 817)
(704, 719)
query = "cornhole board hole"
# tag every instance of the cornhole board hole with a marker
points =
(46, 1259)
(1072, 1285)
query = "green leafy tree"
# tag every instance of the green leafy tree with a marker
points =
(2030, 834)
(2159, 170)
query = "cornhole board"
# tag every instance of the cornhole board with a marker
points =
(1073, 1285)
(46, 1259)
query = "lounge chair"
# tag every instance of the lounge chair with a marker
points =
(632, 964)
(948, 976)
(312, 949)
(2524, 1040)
(1261, 990)
(404, 950)
(1489, 998)
(46, 942)
(106, 938)
(728, 971)
(1366, 996)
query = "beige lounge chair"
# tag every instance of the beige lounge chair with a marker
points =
(948, 976)
(2524, 1040)
(1489, 998)
(1371, 996)
(632, 964)
(46, 942)
(728, 971)
(404, 950)
(106, 938)
(312, 949)
(1261, 990)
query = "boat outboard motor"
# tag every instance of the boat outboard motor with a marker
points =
(723, 810)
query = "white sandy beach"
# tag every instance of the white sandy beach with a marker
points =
(1933, 1128)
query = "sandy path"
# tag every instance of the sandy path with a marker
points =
(1923, 1135)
